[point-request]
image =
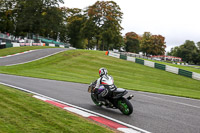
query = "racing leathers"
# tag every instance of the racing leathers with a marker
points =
(102, 89)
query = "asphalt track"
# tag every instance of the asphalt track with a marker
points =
(30, 56)
(152, 112)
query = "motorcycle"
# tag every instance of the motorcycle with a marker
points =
(116, 99)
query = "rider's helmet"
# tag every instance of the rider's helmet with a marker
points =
(103, 71)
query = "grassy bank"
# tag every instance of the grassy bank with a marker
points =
(14, 50)
(82, 66)
(20, 113)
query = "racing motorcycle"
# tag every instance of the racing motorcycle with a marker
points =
(116, 99)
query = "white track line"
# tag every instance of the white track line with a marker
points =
(36, 59)
(185, 104)
(17, 54)
(88, 111)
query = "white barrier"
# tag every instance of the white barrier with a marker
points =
(149, 63)
(62, 46)
(130, 58)
(16, 44)
(51, 45)
(172, 69)
(37, 44)
(114, 54)
(196, 76)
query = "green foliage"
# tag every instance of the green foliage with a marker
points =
(22, 17)
(75, 22)
(189, 52)
(7, 15)
(153, 44)
(105, 18)
(132, 41)
(100, 22)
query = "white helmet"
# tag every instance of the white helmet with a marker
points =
(103, 71)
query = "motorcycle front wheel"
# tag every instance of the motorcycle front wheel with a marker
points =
(125, 106)
(95, 100)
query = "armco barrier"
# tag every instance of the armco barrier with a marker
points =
(139, 61)
(172, 69)
(185, 73)
(16, 44)
(51, 45)
(124, 57)
(114, 54)
(196, 76)
(157, 65)
(8, 45)
(56, 45)
(130, 58)
(149, 63)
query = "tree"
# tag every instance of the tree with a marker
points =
(132, 41)
(7, 15)
(107, 17)
(88, 30)
(75, 22)
(187, 51)
(38, 17)
(158, 45)
(174, 51)
(198, 45)
(146, 43)
(153, 44)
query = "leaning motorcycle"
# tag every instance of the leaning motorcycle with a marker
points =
(116, 100)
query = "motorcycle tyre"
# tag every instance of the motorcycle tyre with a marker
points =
(96, 101)
(124, 104)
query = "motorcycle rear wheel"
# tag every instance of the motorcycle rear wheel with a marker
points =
(125, 106)
(95, 100)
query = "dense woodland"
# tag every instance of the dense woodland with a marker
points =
(96, 26)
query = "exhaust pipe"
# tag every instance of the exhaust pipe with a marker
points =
(130, 97)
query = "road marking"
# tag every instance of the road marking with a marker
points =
(119, 125)
(17, 54)
(172, 101)
(36, 59)
(185, 98)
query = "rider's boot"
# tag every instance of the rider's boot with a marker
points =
(103, 100)
(96, 93)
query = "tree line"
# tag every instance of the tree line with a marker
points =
(97, 26)
(188, 51)
(147, 43)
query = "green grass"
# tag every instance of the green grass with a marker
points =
(82, 66)
(14, 50)
(189, 68)
(20, 113)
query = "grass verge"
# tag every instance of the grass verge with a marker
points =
(82, 66)
(19, 112)
(14, 50)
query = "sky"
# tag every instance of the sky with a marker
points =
(176, 20)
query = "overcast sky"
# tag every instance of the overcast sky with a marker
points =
(176, 20)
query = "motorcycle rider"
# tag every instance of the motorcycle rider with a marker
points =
(103, 80)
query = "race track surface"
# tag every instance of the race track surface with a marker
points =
(30, 56)
(152, 112)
